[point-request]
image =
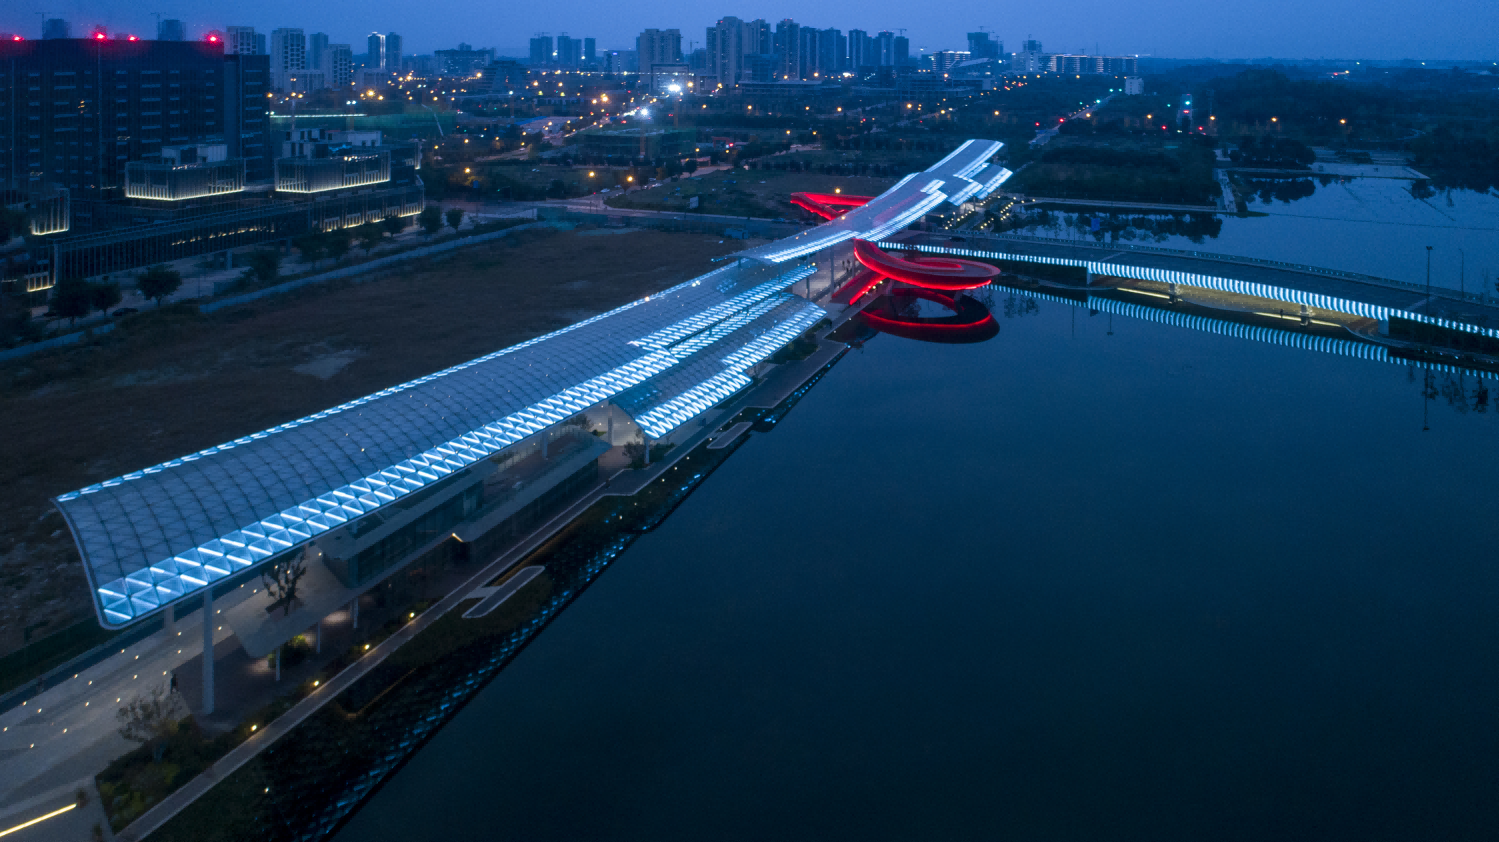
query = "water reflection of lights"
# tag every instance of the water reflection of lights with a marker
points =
(897, 313)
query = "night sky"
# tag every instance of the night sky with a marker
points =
(1375, 29)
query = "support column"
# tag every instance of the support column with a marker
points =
(169, 620)
(208, 650)
(611, 427)
(546, 441)
(647, 443)
(354, 610)
(320, 637)
(278, 663)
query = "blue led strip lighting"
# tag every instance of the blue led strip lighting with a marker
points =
(358, 402)
(156, 535)
(1345, 347)
(1274, 293)
(693, 324)
(670, 414)
(142, 590)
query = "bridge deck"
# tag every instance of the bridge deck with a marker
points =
(1477, 310)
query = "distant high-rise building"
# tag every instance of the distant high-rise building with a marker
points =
(884, 48)
(130, 121)
(337, 64)
(943, 60)
(861, 50)
(807, 51)
(788, 42)
(1030, 59)
(658, 47)
(239, 41)
(761, 67)
(317, 44)
(980, 45)
(730, 42)
(288, 57)
(393, 53)
(464, 61)
(54, 28)
(541, 50)
(621, 61)
(900, 47)
(171, 29)
(590, 51)
(260, 49)
(376, 52)
(569, 51)
(832, 49)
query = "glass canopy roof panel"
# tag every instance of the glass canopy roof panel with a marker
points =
(913, 197)
(164, 532)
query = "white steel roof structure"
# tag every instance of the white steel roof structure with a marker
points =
(965, 174)
(151, 537)
(155, 536)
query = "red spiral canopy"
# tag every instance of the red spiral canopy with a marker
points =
(942, 273)
(828, 205)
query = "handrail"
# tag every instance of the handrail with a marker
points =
(1480, 298)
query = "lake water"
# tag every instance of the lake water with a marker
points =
(1371, 225)
(1094, 579)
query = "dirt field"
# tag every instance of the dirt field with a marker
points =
(169, 383)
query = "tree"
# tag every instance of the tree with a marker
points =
(104, 296)
(312, 245)
(369, 235)
(455, 218)
(431, 220)
(151, 719)
(158, 282)
(338, 244)
(394, 225)
(265, 265)
(280, 581)
(72, 298)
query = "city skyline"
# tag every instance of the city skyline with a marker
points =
(1165, 28)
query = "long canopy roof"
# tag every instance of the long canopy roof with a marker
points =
(964, 174)
(157, 535)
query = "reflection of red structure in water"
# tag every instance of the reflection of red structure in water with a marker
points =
(942, 273)
(971, 321)
(828, 205)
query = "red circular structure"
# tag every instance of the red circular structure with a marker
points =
(970, 322)
(828, 205)
(939, 273)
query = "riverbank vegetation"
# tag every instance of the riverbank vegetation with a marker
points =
(1444, 121)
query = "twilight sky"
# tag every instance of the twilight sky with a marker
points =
(1379, 29)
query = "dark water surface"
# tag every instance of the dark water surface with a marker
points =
(1156, 585)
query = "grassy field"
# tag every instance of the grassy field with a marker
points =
(1120, 169)
(765, 194)
(175, 381)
